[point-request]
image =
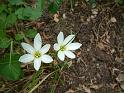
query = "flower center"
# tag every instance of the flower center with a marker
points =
(37, 54)
(62, 48)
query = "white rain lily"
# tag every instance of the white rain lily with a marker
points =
(65, 46)
(36, 53)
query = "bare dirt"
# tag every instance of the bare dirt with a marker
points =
(100, 61)
(99, 66)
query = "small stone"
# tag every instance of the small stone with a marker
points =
(92, 16)
(94, 11)
(64, 16)
(88, 19)
(113, 19)
(76, 4)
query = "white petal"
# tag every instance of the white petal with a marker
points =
(56, 47)
(26, 58)
(74, 46)
(45, 49)
(37, 64)
(60, 38)
(61, 55)
(68, 39)
(37, 42)
(46, 59)
(28, 47)
(70, 54)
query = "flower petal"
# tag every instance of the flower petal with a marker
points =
(46, 59)
(45, 49)
(68, 39)
(61, 55)
(60, 38)
(28, 47)
(70, 54)
(74, 46)
(56, 47)
(37, 42)
(37, 64)
(26, 58)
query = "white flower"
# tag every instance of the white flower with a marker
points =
(65, 47)
(36, 54)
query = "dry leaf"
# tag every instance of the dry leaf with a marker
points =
(96, 86)
(87, 90)
(94, 11)
(122, 86)
(56, 17)
(78, 54)
(120, 78)
(70, 91)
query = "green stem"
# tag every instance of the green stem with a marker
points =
(11, 51)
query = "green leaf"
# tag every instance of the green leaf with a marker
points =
(16, 2)
(35, 14)
(4, 42)
(2, 20)
(10, 67)
(54, 6)
(18, 37)
(11, 20)
(2, 8)
(119, 2)
(92, 3)
(28, 13)
(40, 4)
(31, 33)
(19, 13)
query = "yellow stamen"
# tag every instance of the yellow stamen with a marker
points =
(62, 48)
(37, 54)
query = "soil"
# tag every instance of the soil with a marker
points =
(100, 61)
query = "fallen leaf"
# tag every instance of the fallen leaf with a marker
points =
(96, 86)
(56, 19)
(122, 85)
(70, 91)
(87, 90)
(78, 54)
(120, 78)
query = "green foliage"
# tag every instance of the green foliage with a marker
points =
(2, 20)
(54, 5)
(31, 33)
(92, 3)
(2, 8)
(18, 37)
(10, 67)
(11, 20)
(10, 13)
(120, 2)
(29, 13)
(4, 42)
(16, 2)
